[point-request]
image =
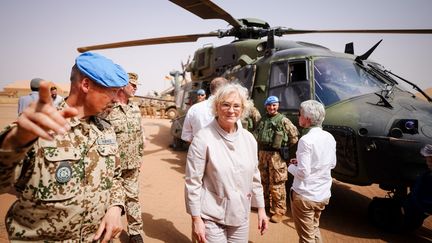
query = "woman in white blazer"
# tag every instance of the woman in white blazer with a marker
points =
(222, 176)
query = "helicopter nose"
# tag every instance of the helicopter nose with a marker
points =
(403, 126)
(396, 132)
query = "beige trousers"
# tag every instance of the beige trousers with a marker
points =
(306, 215)
(219, 233)
(133, 208)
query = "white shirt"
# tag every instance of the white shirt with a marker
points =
(316, 157)
(198, 116)
(222, 179)
(57, 100)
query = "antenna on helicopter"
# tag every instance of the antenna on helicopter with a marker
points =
(366, 55)
(349, 48)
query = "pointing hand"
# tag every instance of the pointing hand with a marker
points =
(40, 119)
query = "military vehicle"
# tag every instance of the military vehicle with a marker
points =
(174, 101)
(378, 124)
(162, 105)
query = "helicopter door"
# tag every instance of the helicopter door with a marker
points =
(289, 82)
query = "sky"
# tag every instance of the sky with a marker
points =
(39, 38)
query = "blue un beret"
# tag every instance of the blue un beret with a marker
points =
(102, 70)
(271, 99)
(201, 92)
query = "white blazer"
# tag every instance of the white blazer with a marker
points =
(222, 176)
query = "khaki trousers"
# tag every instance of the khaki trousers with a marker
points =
(306, 215)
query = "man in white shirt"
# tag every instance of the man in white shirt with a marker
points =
(57, 99)
(199, 115)
(315, 158)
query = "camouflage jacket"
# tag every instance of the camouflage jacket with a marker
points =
(251, 121)
(64, 186)
(126, 120)
(269, 127)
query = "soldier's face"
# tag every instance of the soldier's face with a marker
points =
(272, 109)
(130, 89)
(201, 97)
(100, 98)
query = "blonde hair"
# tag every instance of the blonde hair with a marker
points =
(232, 88)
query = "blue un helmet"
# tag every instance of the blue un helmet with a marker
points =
(271, 99)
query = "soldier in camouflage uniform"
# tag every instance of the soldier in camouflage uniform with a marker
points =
(143, 107)
(154, 106)
(251, 121)
(275, 135)
(162, 108)
(64, 163)
(125, 116)
(150, 110)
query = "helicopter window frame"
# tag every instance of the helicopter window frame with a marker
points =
(290, 87)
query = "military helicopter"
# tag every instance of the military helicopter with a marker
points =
(379, 126)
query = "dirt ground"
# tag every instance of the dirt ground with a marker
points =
(163, 209)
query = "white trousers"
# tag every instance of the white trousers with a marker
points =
(219, 233)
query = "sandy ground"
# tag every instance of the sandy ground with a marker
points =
(165, 219)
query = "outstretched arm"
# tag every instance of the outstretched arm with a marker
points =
(40, 119)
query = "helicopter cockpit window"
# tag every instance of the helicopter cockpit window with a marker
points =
(338, 79)
(278, 76)
(289, 82)
(297, 71)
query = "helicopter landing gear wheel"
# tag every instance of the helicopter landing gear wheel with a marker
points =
(171, 113)
(386, 213)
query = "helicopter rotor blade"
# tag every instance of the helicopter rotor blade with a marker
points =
(207, 10)
(150, 41)
(365, 31)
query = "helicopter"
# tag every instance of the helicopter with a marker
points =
(378, 124)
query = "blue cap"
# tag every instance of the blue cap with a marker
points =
(102, 70)
(201, 92)
(271, 99)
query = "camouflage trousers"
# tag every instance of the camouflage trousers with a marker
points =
(133, 208)
(274, 174)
